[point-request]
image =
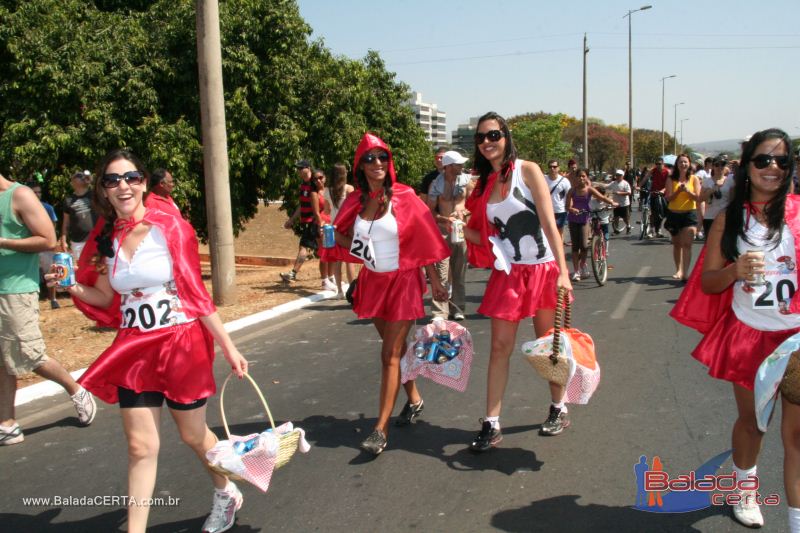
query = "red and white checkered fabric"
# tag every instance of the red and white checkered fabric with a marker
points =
(582, 384)
(454, 373)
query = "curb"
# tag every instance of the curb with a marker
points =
(47, 388)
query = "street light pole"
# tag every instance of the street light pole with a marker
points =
(630, 84)
(585, 123)
(675, 132)
(682, 121)
(662, 110)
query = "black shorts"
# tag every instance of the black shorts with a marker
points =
(677, 220)
(309, 234)
(621, 211)
(129, 399)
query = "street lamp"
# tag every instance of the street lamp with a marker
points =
(675, 133)
(630, 82)
(682, 121)
(662, 110)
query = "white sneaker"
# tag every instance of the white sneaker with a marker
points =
(585, 272)
(576, 276)
(85, 406)
(747, 512)
(223, 510)
(329, 285)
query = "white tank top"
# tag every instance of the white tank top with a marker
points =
(149, 298)
(766, 307)
(517, 223)
(385, 241)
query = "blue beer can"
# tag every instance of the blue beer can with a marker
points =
(65, 270)
(328, 238)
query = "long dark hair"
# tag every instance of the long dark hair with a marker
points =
(363, 185)
(482, 164)
(338, 185)
(103, 207)
(676, 172)
(773, 210)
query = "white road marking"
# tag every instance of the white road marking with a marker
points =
(630, 295)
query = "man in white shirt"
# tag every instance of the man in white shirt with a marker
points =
(446, 199)
(702, 174)
(716, 191)
(559, 187)
(621, 193)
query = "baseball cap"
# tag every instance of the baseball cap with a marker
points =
(303, 163)
(453, 158)
(619, 172)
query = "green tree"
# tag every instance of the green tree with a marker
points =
(538, 136)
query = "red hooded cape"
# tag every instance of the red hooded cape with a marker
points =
(182, 244)
(701, 311)
(421, 241)
(481, 255)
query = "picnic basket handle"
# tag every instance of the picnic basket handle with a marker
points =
(559, 323)
(222, 402)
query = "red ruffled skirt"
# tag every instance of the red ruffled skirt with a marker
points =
(733, 351)
(176, 361)
(392, 296)
(518, 295)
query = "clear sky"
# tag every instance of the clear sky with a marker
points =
(737, 61)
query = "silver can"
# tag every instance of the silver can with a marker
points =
(457, 231)
(758, 279)
(64, 269)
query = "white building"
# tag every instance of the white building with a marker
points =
(430, 118)
(464, 136)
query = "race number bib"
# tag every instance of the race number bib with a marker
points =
(152, 308)
(363, 249)
(776, 294)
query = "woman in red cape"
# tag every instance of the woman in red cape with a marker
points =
(513, 194)
(393, 234)
(149, 270)
(741, 317)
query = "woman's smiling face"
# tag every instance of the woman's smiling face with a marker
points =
(125, 198)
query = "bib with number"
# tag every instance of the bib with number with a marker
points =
(363, 249)
(152, 308)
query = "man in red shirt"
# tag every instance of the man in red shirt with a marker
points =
(658, 183)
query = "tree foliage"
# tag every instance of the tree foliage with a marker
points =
(539, 136)
(79, 78)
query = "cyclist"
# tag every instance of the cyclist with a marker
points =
(658, 184)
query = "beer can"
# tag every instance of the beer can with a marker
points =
(328, 238)
(457, 231)
(64, 269)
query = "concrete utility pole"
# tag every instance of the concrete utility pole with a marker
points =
(630, 83)
(675, 131)
(662, 110)
(585, 124)
(215, 153)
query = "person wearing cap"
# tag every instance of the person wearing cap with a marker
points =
(621, 193)
(446, 199)
(308, 215)
(716, 191)
(559, 187)
(79, 217)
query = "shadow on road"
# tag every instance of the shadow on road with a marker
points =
(66, 422)
(110, 521)
(562, 513)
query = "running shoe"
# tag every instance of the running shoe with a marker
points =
(54, 304)
(487, 438)
(223, 509)
(289, 276)
(576, 276)
(458, 317)
(375, 443)
(557, 421)
(328, 285)
(628, 231)
(12, 435)
(585, 274)
(747, 511)
(409, 413)
(85, 406)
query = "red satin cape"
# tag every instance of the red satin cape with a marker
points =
(480, 255)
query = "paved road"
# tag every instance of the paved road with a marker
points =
(319, 368)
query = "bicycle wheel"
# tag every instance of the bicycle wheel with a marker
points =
(645, 222)
(599, 260)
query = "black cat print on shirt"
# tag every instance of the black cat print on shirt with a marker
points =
(521, 224)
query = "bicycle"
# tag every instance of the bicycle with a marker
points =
(645, 210)
(598, 246)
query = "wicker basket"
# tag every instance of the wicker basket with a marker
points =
(790, 384)
(555, 368)
(288, 442)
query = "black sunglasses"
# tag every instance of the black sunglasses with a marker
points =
(383, 157)
(764, 160)
(492, 135)
(111, 181)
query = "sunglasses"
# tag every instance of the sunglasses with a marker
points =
(764, 160)
(133, 177)
(383, 157)
(553, 166)
(492, 135)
